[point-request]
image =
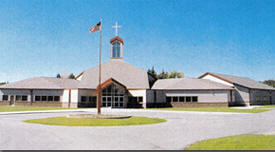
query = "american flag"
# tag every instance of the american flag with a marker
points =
(96, 27)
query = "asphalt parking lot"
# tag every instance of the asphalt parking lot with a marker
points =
(180, 130)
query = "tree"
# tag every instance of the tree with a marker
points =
(153, 72)
(175, 74)
(270, 83)
(71, 76)
(58, 76)
(163, 75)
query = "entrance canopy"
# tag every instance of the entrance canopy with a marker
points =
(109, 82)
(112, 93)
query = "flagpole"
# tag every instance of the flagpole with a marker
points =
(99, 71)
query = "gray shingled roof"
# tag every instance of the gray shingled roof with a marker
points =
(188, 84)
(42, 83)
(246, 82)
(130, 76)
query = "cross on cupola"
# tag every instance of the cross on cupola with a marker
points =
(116, 44)
(116, 27)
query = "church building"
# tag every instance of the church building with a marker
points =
(123, 85)
(126, 86)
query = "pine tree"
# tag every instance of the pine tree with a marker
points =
(153, 72)
(58, 76)
(71, 76)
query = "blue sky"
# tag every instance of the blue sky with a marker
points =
(46, 37)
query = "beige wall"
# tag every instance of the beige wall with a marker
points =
(142, 93)
(28, 93)
(203, 96)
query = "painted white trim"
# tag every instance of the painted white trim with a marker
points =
(215, 79)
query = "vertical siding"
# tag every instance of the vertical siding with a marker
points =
(273, 97)
(149, 96)
(241, 95)
(260, 93)
(160, 96)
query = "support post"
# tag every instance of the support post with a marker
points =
(70, 98)
(31, 98)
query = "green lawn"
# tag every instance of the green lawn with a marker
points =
(215, 109)
(28, 108)
(245, 142)
(64, 121)
(267, 106)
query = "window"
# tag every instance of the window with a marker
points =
(194, 99)
(181, 99)
(37, 98)
(5, 97)
(188, 99)
(17, 97)
(133, 99)
(83, 98)
(50, 98)
(265, 99)
(24, 98)
(175, 99)
(140, 99)
(56, 98)
(168, 99)
(92, 99)
(44, 98)
(116, 50)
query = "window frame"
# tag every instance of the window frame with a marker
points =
(24, 98)
(4, 99)
(58, 98)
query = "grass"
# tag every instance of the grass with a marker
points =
(244, 142)
(28, 108)
(267, 106)
(215, 109)
(64, 121)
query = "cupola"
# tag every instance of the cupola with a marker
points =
(116, 48)
(116, 45)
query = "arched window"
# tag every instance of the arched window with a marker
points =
(116, 50)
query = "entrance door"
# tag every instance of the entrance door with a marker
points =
(112, 96)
